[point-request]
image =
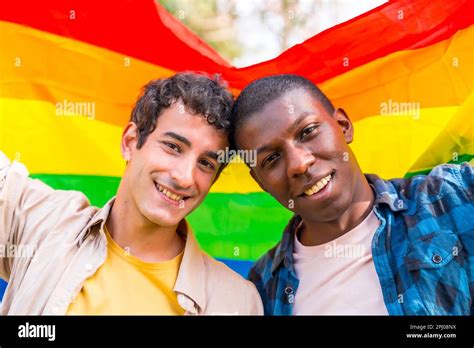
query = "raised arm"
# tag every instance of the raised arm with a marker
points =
(28, 210)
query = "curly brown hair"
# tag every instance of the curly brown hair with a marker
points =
(200, 93)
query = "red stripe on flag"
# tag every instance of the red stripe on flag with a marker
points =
(135, 29)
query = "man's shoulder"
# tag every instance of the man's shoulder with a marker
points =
(18, 186)
(443, 180)
(31, 200)
(454, 173)
(220, 273)
(227, 290)
(436, 204)
(63, 202)
(446, 180)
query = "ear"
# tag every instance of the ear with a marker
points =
(129, 141)
(255, 177)
(345, 123)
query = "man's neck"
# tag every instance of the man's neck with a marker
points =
(317, 233)
(139, 236)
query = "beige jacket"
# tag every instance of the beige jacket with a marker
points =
(52, 240)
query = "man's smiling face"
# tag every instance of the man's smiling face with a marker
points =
(171, 174)
(303, 157)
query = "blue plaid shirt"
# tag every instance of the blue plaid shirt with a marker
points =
(423, 251)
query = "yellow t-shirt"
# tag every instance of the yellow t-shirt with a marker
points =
(125, 284)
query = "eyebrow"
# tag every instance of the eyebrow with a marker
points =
(300, 119)
(179, 138)
(212, 154)
(184, 140)
(295, 125)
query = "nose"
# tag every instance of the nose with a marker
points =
(183, 174)
(299, 159)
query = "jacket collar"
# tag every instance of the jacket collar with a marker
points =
(99, 218)
(389, 192)
(284, 250)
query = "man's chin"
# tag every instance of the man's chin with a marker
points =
(316, 212)
(165, 221)
(163, 218)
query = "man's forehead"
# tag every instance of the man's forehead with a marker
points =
(294, 102)
(194, 127)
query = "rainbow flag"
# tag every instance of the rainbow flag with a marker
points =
(70, 72)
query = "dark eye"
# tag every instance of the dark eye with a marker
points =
(307, 131)
(172, 146)
(272, 158)
(207, 164)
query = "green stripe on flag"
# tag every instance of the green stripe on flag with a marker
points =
(99, 189)
(239, 226)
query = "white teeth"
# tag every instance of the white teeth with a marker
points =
(318, 186)
(169, 194)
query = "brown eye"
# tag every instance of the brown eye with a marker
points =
(272, 158)
(207, 164)
(307, 131)
(172, 146)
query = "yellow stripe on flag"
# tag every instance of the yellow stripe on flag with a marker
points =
(434, 76)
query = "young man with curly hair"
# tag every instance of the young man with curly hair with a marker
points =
(136, 255)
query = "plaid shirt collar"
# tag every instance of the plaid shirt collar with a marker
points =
(385, 193)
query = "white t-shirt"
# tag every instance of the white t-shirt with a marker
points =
(339, 277)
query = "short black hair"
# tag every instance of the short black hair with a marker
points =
(200, 93)
(262, 91)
